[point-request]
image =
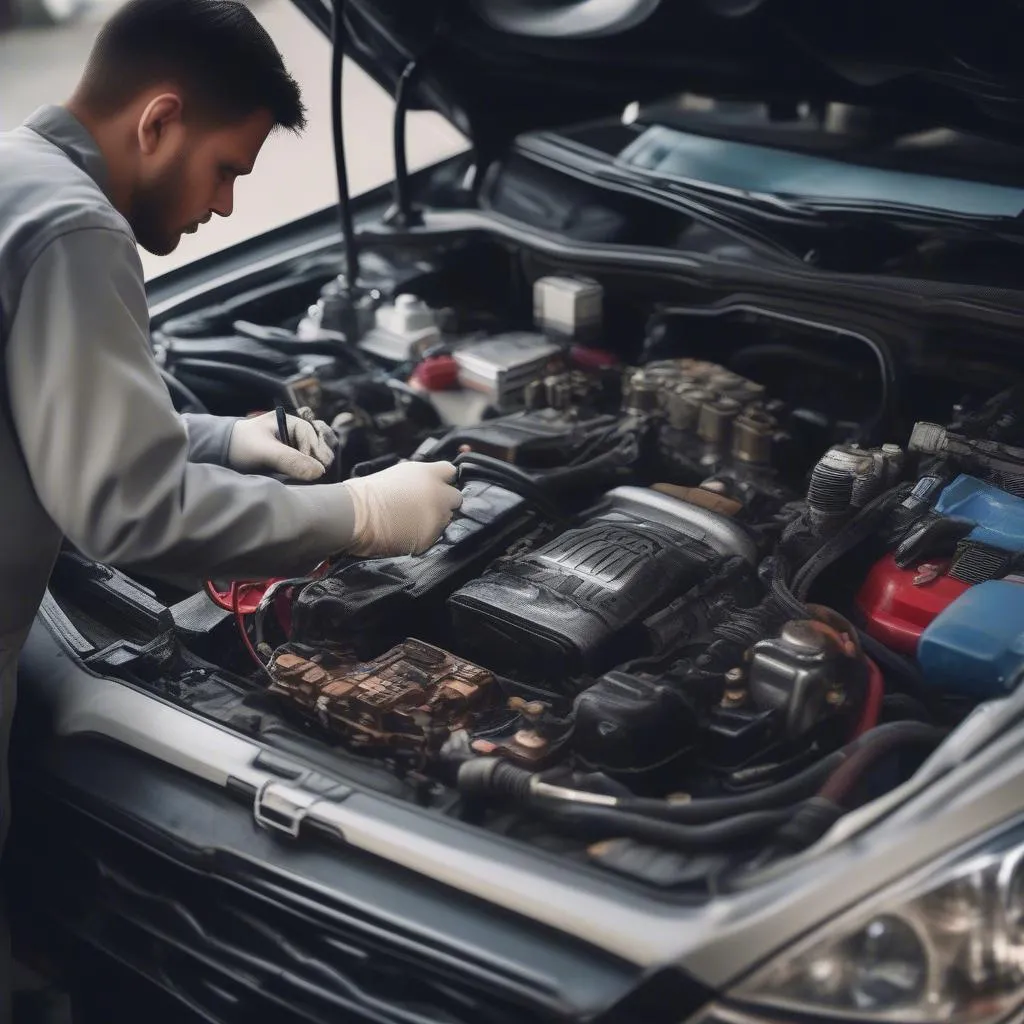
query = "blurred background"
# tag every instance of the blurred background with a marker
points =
(44, 45)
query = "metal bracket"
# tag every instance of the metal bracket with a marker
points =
(282, 808)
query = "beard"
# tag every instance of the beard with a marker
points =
(154, 210)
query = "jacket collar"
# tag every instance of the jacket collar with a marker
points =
(61, 128)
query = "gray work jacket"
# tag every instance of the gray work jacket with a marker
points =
(91, 447)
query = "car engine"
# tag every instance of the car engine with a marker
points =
(684, 611)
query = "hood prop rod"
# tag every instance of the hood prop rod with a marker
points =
(403, 213)
(350, 278)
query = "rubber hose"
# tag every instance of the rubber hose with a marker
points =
(576, 473)
(296, 346)
(848, 774)
(909, 708)
(894, 663)
(665, 833)
(493, 777)
(241, 374)
(499, 467)
(782, 592)
(892, 734)
(851, 534)
(871, 709)
(173, 384)
(810, 822)
(780, 795)
(526, 490)
(887, 659)
(545, 480)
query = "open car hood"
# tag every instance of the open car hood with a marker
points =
(496, 68)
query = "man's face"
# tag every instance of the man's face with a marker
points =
(189, 176)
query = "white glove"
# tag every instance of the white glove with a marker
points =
(255, 445)
(402, 510)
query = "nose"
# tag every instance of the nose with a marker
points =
(225, 202)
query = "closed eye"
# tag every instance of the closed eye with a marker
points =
(231, 171)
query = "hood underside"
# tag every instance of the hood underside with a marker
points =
(496, 68)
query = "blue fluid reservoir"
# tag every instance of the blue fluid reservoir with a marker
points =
(997, 515)
(976, 646)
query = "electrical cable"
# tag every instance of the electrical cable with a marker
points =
(232, 600)
(237, 590)
(348, 234)
(272, 592)
(236, 593)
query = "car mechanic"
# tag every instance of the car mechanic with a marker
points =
(174, 105)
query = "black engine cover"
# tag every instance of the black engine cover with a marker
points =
(576, 605)
(370, 605)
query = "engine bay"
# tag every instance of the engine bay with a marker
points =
(714, 584)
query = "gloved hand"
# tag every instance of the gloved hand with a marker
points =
(402, 510)
(255, 445)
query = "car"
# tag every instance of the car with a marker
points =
(704, 707)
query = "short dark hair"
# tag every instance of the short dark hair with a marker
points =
(216, 51)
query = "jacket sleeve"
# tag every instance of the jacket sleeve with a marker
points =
(108, 454)
(208, 437)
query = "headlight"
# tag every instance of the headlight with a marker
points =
(945, 946)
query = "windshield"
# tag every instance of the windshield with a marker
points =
(672, 153)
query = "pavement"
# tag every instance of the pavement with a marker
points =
(294, 176)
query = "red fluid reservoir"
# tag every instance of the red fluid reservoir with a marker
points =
(438, 373)
(898, 604)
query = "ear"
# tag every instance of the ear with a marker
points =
(161, 114)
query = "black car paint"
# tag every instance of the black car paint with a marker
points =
(151, 860)
(953, 64)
